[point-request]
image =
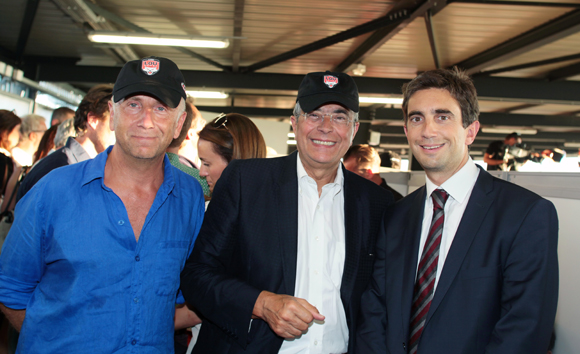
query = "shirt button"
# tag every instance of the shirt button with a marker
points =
(315, 272)
(315, 342)
(135, 300)
(137, 258)
(317, 207)
(133, 342)
(121, 222)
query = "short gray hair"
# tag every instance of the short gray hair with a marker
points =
(64, 130)
(298, 111)
(31, 123)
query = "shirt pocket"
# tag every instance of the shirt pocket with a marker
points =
(170, 258)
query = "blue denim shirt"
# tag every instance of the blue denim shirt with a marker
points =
(72, 261)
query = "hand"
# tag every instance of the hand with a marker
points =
(288, 316)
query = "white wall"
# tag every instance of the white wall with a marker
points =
(568, 316)
(21, 106)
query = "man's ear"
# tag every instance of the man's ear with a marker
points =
(472, 130)
(111, 114)
(293, 121)
(93, 120)
(190, 134)
(356, 126)
(179, 125)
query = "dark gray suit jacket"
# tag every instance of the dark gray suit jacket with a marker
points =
(248, 243)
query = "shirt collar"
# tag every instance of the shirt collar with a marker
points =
(302, 172)
(458, 185)
(95, 169)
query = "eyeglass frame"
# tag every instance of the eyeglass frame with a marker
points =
(330, 117)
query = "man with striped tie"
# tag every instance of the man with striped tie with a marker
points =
(466, 264)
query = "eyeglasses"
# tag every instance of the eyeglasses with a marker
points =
(221, 121)
(340, 119)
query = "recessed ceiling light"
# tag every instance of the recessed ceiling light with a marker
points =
(383, 100)
(157, 39)
(208, 94)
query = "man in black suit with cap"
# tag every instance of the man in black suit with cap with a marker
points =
(287, 244)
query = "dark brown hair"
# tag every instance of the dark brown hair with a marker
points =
(46, 143)
(96, 101)
(457, 82)
(175, 143)
(236, 139)
(61, 114)
(8, 121)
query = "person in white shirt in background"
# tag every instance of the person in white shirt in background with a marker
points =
(31, 130)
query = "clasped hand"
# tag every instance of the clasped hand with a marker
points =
(288, 316)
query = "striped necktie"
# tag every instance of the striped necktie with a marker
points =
(426, 272)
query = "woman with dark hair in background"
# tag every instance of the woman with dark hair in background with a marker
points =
(9, 136)
(46, 143)
(228, 137)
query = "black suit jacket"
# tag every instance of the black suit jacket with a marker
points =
(248, 243)
(498, 289)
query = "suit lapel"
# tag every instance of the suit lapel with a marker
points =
(479, 202)
(410, 248)
(286, 195)
(352, 234)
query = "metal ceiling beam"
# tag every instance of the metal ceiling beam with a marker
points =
(550, 31)
(495, 119)
(496, 88)
(518, 3)
(377, 39)
(386, 20)
(481, 144)
(394, 131)
(432, 41)
(564, 73)
(7, 56)
(85, 18)
(529, 65)
(238, 26)
(527, 90)
(249, 111)
(26, 27)
(127, 24)
(516, 108)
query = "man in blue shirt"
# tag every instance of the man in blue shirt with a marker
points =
(92, 262)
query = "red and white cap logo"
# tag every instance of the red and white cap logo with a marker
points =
(330, 80)
(150, 66)
(183, 87)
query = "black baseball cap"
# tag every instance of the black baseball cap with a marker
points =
(159, 77)
(319, 88)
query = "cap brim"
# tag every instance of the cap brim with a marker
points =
(311, 102)
(166, 95)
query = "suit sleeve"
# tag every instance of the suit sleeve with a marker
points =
(530, 286)
(207, 281)
(370, 335)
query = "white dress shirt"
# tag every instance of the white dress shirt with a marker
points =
(459, 188)
(320, 263)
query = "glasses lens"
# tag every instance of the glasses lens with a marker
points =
(340, 118)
